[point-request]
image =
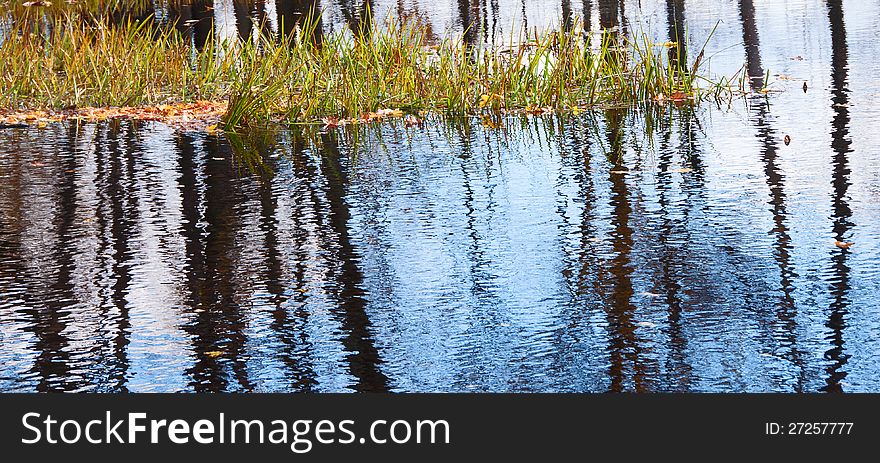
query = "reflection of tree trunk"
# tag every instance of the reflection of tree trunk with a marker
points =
(53, 361)
(624, 345)
(476, 254)
(218, 325)
(363, 358)
(291, 13)
(469, 18)
(786, 312)
(357, 14)
(243, 19)
(750, 40)
(207, 373)
(566, 15)
(676, 28)
(201, 12)
(122, 230)
(841, 147)
(290, 329)
(588, 15)
(678, 369)
(609, 13)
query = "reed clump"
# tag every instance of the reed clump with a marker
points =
(388, 70)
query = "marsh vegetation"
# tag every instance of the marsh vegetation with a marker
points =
(63, 59)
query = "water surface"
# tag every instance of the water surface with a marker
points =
(674, 249)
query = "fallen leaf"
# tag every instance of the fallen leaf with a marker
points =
(389, 113)
(492, 123)
(489, 99)
(412, 121)
(843, 244)
(786, 140)
(37, 3)
(536, 110)
(214, 353)
(682, 170)
(484, 100)
(331, 122)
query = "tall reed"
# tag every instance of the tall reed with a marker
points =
(344, 75)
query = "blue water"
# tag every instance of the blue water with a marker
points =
(664, 249)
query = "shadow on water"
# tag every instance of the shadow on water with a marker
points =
(632, 249)
(841, 148)
(624, 344)
(786, 309)
(351, 311)
(217, 327)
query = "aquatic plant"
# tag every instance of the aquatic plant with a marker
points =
(386, 71)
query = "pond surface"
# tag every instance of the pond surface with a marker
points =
(674, 249)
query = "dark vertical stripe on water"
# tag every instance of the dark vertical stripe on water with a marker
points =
(624, 345)
(363, 357)
(842, 214)
(50, 319)
(786, 307)
(676, 33)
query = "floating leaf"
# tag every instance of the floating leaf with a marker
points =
(490, 122)
(389, 113)
(331, 122)
(492, 99)
(537, 110)
(786, 140)
(843, 244)
(412, 121)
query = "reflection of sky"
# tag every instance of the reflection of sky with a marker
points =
(224, 20)
(484, 262)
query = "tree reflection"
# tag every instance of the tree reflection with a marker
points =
(841, 146)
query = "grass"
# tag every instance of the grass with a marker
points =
(342, 78)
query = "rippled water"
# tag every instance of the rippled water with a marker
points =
(670, 250)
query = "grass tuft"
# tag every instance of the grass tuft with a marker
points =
(343, 78)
